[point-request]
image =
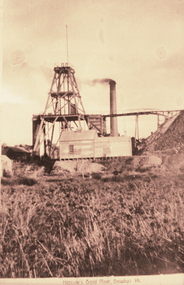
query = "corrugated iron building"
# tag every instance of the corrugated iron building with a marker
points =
(87, 144)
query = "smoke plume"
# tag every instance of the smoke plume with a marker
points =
(102, 81)
(99, 81)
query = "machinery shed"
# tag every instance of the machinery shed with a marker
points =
(87, 144)
(79, 144)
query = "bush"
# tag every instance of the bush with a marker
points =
(18, 181)
(26, 181)
(6, 173)
(96, 175)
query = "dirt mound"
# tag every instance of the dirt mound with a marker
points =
(78, 166)
(165, 148)
(150, 161)
(159, 163)
(162, 163)
(174, 163)
(169, 136)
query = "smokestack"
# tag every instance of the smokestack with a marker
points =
(113, 109)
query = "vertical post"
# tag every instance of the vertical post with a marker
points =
(44, 139)
(137, 127)
(36, 122)
(158, 121)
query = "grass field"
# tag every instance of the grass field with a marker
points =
(120, 225)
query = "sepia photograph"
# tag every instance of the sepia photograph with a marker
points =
(92, 142)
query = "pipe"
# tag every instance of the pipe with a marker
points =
(113, 109)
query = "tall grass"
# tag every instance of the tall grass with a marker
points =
(92, 228)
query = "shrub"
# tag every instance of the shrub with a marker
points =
(18, 181)
(96, 175)
(26, 181)
(6, 173)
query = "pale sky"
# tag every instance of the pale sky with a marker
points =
(138, 43)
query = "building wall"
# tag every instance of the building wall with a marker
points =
(76, 149)
(95, 147)
(113, 146)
